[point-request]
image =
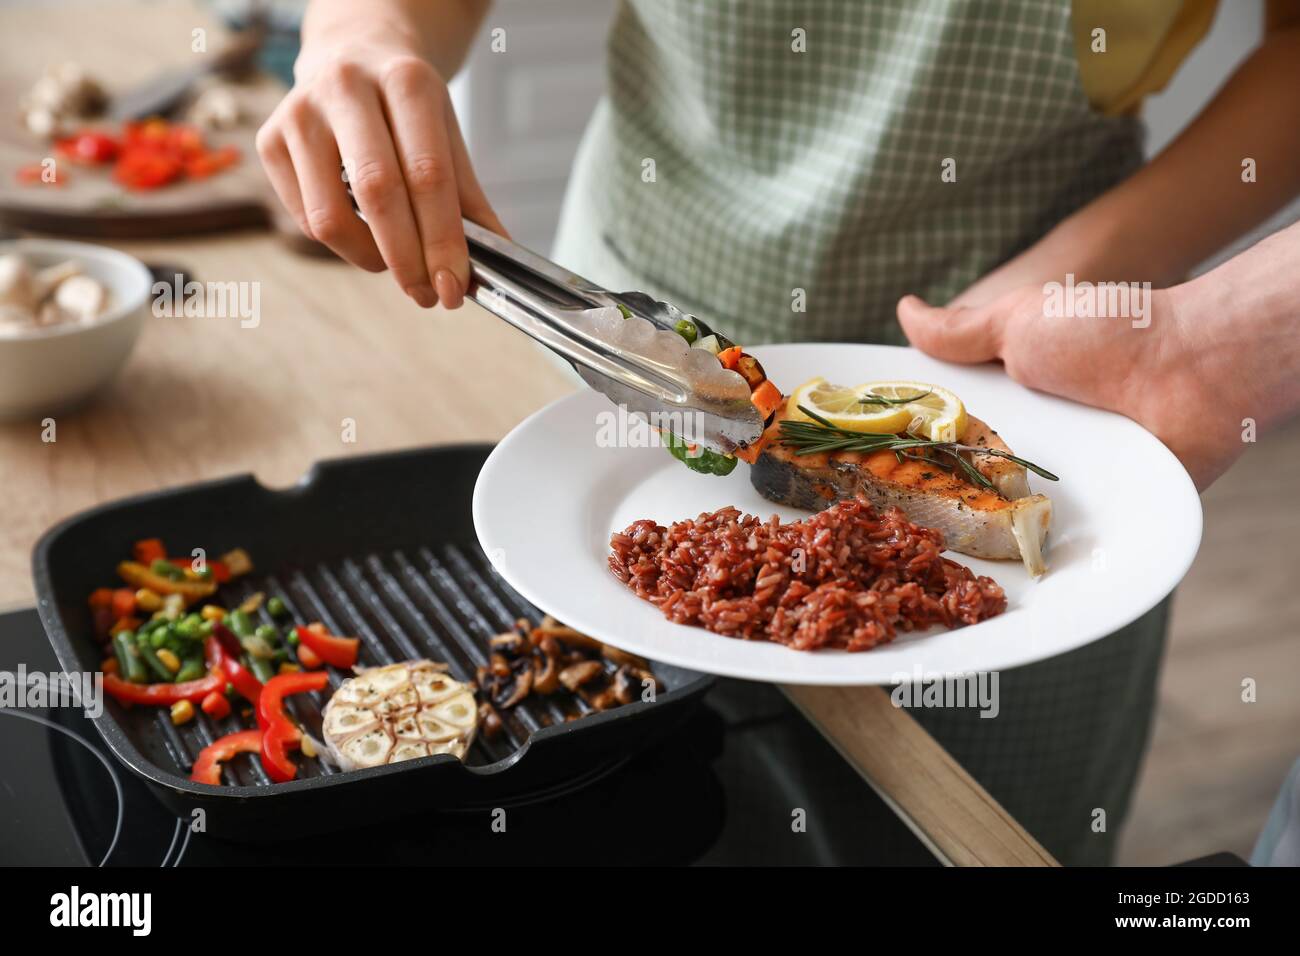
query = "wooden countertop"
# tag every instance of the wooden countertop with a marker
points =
(201, 398)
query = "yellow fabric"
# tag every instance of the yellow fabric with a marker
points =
(1146, 43)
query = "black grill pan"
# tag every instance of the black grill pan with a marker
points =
(381, 547)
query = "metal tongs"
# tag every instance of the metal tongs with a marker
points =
(544, 300)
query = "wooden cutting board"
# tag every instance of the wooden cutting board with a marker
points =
(90, 204)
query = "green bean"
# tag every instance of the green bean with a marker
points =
(158, 667)
(239, 622)
(261, 669)
(275, 607)
(191, 669)
(128, 658)
(166, 569)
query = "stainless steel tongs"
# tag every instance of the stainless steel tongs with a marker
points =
(545, 302)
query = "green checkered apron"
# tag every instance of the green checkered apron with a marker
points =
(752, 156)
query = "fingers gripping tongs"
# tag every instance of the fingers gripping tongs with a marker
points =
(632, 352)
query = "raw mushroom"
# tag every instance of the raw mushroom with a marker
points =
(80, 298)
(216, 108)
(17, 285)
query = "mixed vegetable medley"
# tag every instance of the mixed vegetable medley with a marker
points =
(170, 646)
(765, 396)
(169, 642)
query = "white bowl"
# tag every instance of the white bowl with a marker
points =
(47, 370)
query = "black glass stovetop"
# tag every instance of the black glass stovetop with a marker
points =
(726, 788)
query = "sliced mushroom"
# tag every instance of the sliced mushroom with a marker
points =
(546, 675)
(575, 675)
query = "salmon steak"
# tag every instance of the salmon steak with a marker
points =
(1004, 522)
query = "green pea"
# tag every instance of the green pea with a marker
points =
(687, 330)
(275, 607)
(292, 638)
(268, 632)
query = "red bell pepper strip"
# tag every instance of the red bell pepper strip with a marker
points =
(207, 768)
(223, 650)
(216, 705)
(279, 734)
(338, 651)
(163, 695)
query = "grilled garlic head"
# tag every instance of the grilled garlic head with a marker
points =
(399, 712)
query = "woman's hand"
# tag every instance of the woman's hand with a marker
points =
(1151, 371)
(381, 111)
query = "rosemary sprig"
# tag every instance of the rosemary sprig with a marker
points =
(819, 435)
(881, 400)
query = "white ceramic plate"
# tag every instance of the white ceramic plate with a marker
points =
(1126, 526)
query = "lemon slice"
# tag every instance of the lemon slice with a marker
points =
(840, 405)
(935, 413)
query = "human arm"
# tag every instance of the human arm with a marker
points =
(1218, 350)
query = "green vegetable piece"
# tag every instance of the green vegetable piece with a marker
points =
(191, 669)
(704, 461)
(239, 622)
(268, 632)
(292, 638)
(128, 658)
(167, 570)
(261, 669)
(627, 313)
(687, 330)
(275, 607)
(150, 657)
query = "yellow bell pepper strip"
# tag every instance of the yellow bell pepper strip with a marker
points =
(139, 576)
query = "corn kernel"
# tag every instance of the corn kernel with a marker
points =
(170, 660)
(211, 612)
(287, 668)
(109, 666)
(307, 747)
(148, 600)
(182, 712)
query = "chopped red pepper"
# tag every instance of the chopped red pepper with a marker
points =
(204, 164)
(124, 692)
(148, 551)
(309, 658)
(89, 147)
(223, 653)
(338, 651)
(207, 768)
(33, 174)
(216, 705)
(279, 734)
(146, 168)
(123, 603)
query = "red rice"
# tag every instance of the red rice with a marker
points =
(846, 577)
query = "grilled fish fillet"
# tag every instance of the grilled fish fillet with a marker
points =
(1006, 523)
